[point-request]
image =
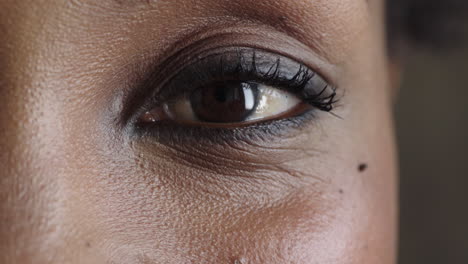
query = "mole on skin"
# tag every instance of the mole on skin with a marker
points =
(362, 167)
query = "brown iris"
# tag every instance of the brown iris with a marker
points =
(224, 101)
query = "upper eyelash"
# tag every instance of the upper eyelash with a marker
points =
(272, 77)
(250, 71)
(297, 82)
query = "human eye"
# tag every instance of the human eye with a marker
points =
(239, 88)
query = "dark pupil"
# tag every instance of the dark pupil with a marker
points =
(225, 102)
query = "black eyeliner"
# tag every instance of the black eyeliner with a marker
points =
(238, 64)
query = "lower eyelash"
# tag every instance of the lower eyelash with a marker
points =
(172, 133)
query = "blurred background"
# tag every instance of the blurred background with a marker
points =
(432, 120)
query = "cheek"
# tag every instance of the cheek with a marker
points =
(166, 211)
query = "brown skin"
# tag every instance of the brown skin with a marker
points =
(77, 187)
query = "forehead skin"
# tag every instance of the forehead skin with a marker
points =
(77, 187)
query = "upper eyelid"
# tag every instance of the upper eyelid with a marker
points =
(244, 61)
(226, 38)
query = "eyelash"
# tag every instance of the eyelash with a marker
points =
(234, 64)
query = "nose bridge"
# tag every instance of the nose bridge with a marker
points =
(29, 153)
(28, 186)
(29, 174)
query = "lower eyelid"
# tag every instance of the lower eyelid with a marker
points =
(170, 133)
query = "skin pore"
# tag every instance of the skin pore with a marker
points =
(81, 182)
